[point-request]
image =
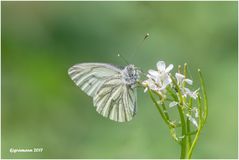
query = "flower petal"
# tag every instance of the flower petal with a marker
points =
(161, 66)
(152, 86)
(194, 94)
(188, 81)
(169, 68)
(167, 80)
(187, 91)
(153, 73)
(179, 77)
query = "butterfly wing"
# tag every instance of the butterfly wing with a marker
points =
(91, 76)
(116, 101)
(112, 97)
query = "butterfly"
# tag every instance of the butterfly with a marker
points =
(112, 88)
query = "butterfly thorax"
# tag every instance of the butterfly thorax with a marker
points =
(130, 75)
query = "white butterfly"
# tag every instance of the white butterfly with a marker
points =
(112, 88)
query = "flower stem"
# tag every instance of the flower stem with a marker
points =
(183, 142)
(165, 111)
(188, 135)
(194, 143)
(192, 133)
(202, 116)
(163, 105)
(182, 119)
(199, 130)
(204, 96)
(160, 111)
(188, 125)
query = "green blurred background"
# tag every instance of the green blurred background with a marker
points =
(41, 107)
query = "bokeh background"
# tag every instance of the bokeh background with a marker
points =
(41, 107)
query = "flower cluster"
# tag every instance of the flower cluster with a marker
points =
(158, 80)
(161, 80)
(169, 93)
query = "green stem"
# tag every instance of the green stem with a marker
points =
(202, 117)
(199, 130)
(163, 105)
(188, 125)
(182, 119)
(185, 69)
(188, 135)
(160, 111)
(204, 96)
(192, 133)
(172, 94)
(165, 111)
(194, 143)
(189, 140)
(183, 142)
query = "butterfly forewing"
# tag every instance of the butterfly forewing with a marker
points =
(111, 96)
(91, 76)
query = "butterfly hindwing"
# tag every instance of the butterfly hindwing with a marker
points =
(116, 101)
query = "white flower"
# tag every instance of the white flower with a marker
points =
(185, 91)
(181, 79)
(150, 84)
(161, 76)
(193, 94)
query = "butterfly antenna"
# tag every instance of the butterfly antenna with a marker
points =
(133, 53)
(140, 44)
(124, 59)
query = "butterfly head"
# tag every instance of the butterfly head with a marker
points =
(131, 74)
